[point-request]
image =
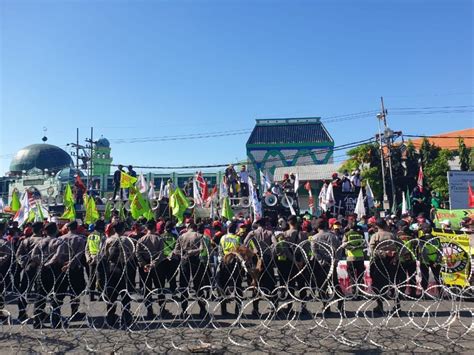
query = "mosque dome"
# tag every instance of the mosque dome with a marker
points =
(103, 143)
(40, 156)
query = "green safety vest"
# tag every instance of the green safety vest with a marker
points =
(93, 243)
(357, 240)
(229, 242)
(430, 250)
(281, 247)
(310, 252)
(407, 252)
(169, 242)
(207, 246)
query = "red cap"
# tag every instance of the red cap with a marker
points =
(305, 226)
(217, 224)
(207, 232)
(28, 231)
(372, 220)
(332, 221)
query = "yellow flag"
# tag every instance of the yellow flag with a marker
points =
(92, 215)
(127, 181)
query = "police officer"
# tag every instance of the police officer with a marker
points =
(94, 243)
(118, 252)
(188, 247)
(259, 240)
(384, 264)
(23, 257)
(6, 257)
(48, 274)
(228, 274)
(168, 270)
(71, 256)
(430, 254)
(149, 253)
(407, 257)
(285, 245)
(353, 243)
(325, 249)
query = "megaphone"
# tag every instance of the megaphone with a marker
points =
(270, 200)
(287, 201)
(192, 203)
(244, 202)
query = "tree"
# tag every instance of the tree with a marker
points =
(464, 155)
(428, 152)
(436, 172)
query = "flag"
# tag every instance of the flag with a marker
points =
(213, 211)
(162, 191)
(151, 192)
(15, 203)
(226, 209)
(203, 188)
(139, 206)
(322, 197)
(297, 183)
(127, 181)
(179, 204)
(329, 199)
(108, 211)
(213, 194)
(264, 182)
(307, 187)
(149, 214)
(404, 204)
(419, 181)
(370, 196)
(68, 201)
(122, 216)
(292, 210)
(256, 204)
(196, 193)
(408, 199)
(223, 190)
(471, 196)
(2, 205)
(79, 183)
(142, 186)
(22, 214)
(92, 215)
(360, 208)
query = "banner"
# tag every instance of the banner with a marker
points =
(458, 182)
(455, 216)
(456, 258)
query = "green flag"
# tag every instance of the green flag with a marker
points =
(139, 207)
(179, 204)
(39, 209)
(15, 204)
(227, 210)
(122, 212)
(68, 200)
(108, 211)
(92, 215)
(149, 214)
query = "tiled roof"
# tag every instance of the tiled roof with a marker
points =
(307, 172)
(284, 131)
(449, 143)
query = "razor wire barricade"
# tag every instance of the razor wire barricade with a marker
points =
(136, 299)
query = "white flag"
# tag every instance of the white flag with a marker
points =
(292, 210)
(297, 183)
(151, 192)
(256, 204)
(223, 190)
(329, 199)
(404, 204)
(196, 193)
(162, 191)
(265, 182)
(142, 187)
(22, 214)
(359, 208)
(370, 195)
(322, 198)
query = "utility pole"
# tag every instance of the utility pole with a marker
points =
(385, 202)
(90, 146)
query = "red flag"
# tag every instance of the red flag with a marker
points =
(471, 196)
(202, 186)
(420, 179)
(79, 184)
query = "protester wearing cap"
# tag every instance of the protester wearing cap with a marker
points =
(94, 243)
(168, 269)
(429, 254)
(354, 244)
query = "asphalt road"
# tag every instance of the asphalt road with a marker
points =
(422, 326)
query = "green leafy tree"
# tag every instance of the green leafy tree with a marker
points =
(436, 172)
(428, 152)
(464, 155)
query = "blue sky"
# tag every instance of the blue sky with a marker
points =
(158, 68)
